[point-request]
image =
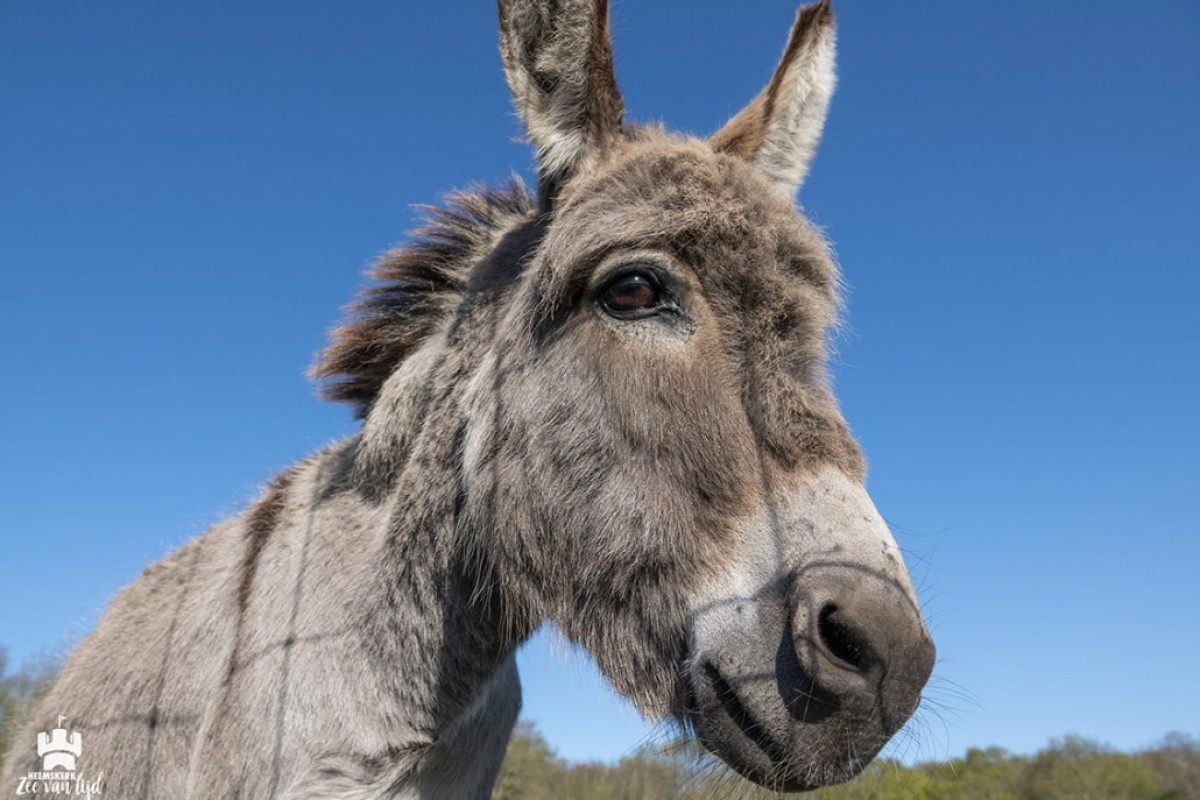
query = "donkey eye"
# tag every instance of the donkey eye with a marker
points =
(631, 296)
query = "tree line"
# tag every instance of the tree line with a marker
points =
(1072, 768)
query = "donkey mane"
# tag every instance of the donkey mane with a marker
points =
(415, 287)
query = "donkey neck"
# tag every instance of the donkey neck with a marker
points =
(435, 624)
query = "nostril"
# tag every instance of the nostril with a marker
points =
(845, 641)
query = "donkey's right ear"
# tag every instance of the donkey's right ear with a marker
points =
(558, 62)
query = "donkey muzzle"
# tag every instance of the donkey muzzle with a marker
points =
(800, 674)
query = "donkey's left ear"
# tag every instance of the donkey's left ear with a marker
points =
(779, 130)
(558, 62)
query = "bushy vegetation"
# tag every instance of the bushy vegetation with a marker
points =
(18, 690)
(1069, 769)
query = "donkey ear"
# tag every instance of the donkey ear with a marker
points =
(779, 130)
(558, 62)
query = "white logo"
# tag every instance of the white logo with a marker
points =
(59, 750)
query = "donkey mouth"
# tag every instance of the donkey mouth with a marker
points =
(791, 740)
(753, 730)
(731, 730)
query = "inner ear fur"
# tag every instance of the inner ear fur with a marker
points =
(779, 130)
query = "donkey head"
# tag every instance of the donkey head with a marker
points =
(654, 440)
(649, 451)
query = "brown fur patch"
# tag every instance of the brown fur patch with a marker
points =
(261, 521)
(416, 285)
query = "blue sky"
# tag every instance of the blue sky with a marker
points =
(189, 194)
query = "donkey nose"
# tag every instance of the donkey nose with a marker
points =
(861, 641)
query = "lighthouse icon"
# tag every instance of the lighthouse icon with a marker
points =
(59, 750)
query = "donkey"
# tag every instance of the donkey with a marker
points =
(603, 404)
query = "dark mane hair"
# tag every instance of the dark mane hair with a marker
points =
(413, 288)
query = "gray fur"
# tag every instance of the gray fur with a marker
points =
(677, 492)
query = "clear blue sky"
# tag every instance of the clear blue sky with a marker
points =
(188, 194)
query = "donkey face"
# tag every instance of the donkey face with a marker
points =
(631, 382)
(651, 446)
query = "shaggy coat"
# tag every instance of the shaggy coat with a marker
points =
(604, 405)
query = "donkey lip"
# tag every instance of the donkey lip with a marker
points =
(750, 764)
(750, 727)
